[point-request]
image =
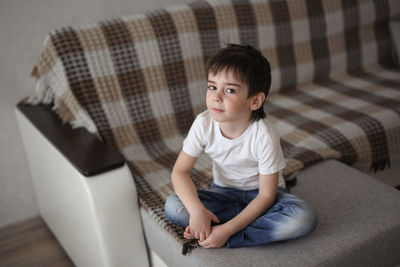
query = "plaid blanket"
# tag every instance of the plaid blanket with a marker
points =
(138, 82)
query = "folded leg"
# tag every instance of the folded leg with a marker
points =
(223, 202)
(289, 217)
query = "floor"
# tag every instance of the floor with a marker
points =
(30, 243)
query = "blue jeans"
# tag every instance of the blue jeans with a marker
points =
(288, 217)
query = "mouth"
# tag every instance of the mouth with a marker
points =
(217, 110)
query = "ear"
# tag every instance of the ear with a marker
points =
(257, 101)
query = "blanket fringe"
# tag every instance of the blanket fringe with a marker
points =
(380, 165)
(35, 72)
(188, 245)
(291, 183)
(42, 95)
(45, 95)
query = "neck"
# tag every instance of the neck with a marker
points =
(231, 130)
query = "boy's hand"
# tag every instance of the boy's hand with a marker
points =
(218, 237)
(200, 223)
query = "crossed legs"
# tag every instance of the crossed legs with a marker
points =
(289, 217)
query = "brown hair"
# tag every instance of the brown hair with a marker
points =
(250, 66)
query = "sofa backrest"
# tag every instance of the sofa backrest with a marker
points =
(157, 60)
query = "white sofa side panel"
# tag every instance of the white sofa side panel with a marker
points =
(96, 219)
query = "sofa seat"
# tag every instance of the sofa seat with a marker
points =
(343, 197)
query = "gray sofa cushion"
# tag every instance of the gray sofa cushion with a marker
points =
(359, 224)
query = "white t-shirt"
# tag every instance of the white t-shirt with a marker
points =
(237, 162)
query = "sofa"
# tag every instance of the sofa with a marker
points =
(115, 99)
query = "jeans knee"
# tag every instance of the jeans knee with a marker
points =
(175, 211)
(298, 220)
(310, 218)
(305, 220)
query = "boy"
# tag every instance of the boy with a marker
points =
(247, 204)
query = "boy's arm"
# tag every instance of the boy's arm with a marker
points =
(268, 186)
(200, 217)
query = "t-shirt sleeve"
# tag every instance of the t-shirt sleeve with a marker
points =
(193, 145)
(270, 155)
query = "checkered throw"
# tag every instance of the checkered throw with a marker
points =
(138, 82)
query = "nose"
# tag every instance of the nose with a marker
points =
(217, 97)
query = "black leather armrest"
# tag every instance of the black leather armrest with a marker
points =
(83, 150)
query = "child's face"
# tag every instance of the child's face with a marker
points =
(227, 99)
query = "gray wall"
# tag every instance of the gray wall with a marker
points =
(23, 27)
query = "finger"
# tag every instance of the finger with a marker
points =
(187, 229)
(208, 232)
(186, 235)
(204, 243)
(202, 237)
(215, 219)
(207, 245)
(197, 235)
